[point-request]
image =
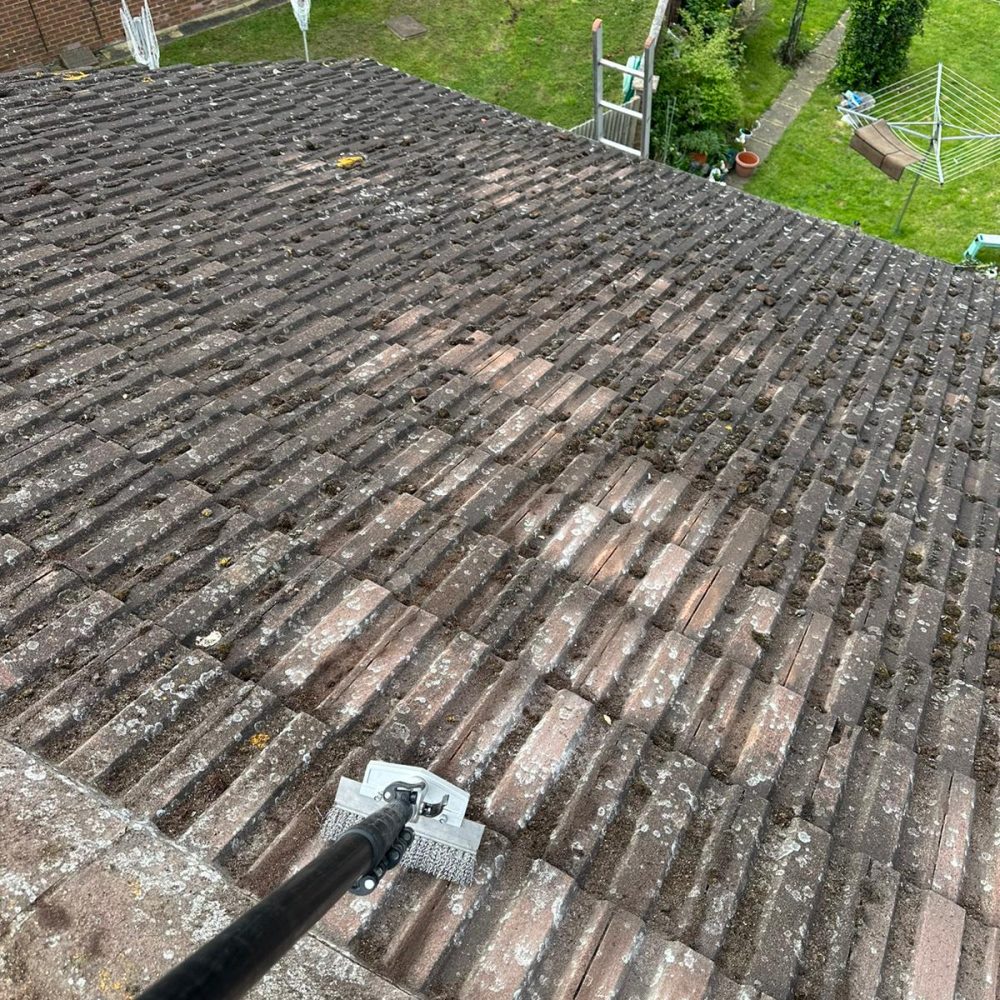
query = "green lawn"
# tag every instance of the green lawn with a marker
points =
(763, 75)
(812, 168)
(532, 56)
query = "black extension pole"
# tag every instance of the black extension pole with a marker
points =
(231, 963)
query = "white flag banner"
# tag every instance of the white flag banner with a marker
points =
(141, 36)
(301, 10)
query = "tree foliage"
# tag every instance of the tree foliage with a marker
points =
(702, 78)
(878, 36)
(698, 68)
(709, 15)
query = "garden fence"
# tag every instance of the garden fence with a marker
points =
(617, 127)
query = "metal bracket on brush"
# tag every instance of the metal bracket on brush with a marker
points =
(398, 811)
(415, 794)
(436, 798)
(444, 842)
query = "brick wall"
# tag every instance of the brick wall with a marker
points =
(35, 30)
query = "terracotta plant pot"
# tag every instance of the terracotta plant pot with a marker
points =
(746, 163)
(701, 158)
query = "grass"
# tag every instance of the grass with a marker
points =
(813, 170)
(763, 75)
(532, 56)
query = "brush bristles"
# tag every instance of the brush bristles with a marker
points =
(338, 821)
(426, 853)
(440, 860)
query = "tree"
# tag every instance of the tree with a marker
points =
(878, 36)
(789, 50)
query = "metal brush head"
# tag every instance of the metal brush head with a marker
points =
(444, 843)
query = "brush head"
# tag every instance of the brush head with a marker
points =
(444, 843)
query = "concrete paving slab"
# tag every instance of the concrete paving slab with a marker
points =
(405, 27)
(790, 105)
(768, 133)
(77, 57)
(782, 115)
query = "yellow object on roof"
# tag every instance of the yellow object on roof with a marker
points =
(347, 162)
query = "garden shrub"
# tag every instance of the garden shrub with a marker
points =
(878, 36)
(703, 79)
(709, 141)
(709, 15)
(700, 71)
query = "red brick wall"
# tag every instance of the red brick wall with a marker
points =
(35, 30)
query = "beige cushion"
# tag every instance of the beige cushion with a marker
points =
(881, 147)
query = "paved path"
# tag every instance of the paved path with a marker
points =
(812, 71)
